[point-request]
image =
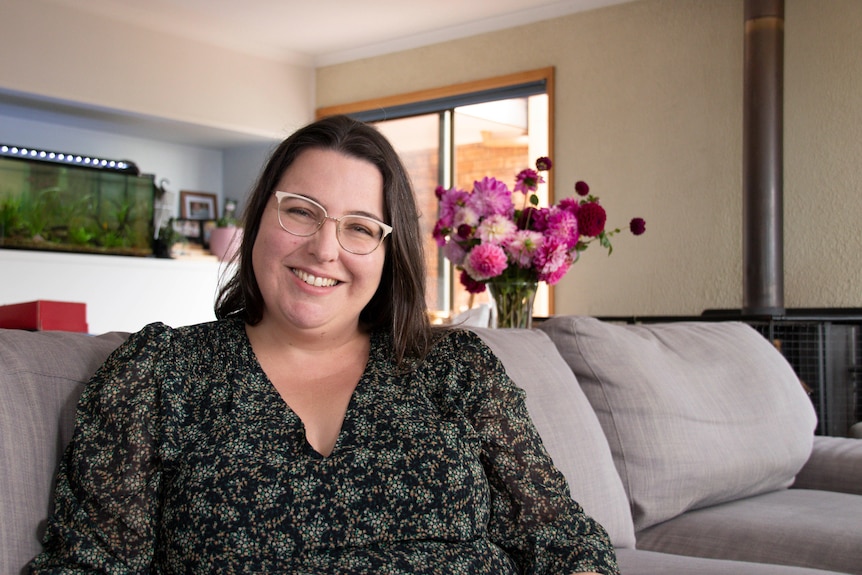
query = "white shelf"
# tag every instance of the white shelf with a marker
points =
(122, 293)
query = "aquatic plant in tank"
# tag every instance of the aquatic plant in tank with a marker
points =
(68, 202)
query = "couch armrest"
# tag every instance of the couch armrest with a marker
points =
(835, 465)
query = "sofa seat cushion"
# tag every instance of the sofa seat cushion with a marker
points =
(41, 376)
(801, 527)
(835, 465)
(568, 426)
(696, 413)
(642, 562)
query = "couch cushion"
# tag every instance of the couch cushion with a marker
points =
(41, 376)
(835, 465)
(569, 428)
(696, 413)
(799, 527)
(642, 562)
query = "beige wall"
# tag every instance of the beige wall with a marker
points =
(50, 50)
(649, 112)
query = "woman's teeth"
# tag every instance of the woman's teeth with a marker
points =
(314, 280)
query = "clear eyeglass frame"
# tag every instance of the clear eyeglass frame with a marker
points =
(385, 228)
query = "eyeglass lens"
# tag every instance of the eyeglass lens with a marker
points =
(302, 217)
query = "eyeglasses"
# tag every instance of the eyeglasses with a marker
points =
(300, 216)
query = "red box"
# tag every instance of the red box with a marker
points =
(44, 315)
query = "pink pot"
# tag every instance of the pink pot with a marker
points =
(224, 242)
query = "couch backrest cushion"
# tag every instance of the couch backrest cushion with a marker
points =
(696, 413)
(41, 376)
(568, 426)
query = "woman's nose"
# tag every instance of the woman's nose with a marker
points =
(324, 244)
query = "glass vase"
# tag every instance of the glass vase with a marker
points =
(513, 301)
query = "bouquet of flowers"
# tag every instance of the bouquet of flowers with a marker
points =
(493, 234)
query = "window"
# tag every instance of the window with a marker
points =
(453, 136)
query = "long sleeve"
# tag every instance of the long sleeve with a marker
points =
(107, 492)
(533, 517)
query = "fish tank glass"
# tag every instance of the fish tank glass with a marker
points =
(70, 203)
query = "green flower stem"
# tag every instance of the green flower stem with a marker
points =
(514, 302)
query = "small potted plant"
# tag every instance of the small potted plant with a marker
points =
(226, 238)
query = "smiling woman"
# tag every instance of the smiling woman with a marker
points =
(321, 424)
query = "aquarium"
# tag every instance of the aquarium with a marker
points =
(66, 202)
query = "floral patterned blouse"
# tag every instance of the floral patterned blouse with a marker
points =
(185, 459)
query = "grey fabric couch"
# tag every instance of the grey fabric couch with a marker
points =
(691, 442)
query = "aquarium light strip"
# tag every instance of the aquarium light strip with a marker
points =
(67, 159)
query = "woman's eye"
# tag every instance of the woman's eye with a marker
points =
(301, 213)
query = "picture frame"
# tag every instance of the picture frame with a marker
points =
(191, 230)
(198, 205)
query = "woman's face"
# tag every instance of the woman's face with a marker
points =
(312, 283)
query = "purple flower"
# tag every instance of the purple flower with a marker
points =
(454, 252)
(465, 231)
(550, 257)
(544, 164)
(440, 232)
(451, 201)
(491, 196)
(472, 285)
(637, 226)
(486, 261)
(522, 247)
(569, 204)
(496, 229)
(563, 224)
(555, 276)
(591, 219)
(528, 181)
(582, 188)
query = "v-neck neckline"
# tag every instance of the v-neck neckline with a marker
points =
(290, 417)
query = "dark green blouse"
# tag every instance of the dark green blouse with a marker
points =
(185, 459)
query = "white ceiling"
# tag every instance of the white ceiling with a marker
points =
(323, 32)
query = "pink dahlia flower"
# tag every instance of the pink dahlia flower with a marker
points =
(451, 201)
(491, 196)
(486, 261)
(496, 229)
(523, 246)
(563, 224)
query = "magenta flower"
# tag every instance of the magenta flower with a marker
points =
(439, 233)
(544, 164)
(550, 257)
(563, 224)
(582, 188)
(486, 261)
(496, 229)
(491, 196)
(637, 226)
(472, 285)
(569, 204)
(555, 276)
(451, 202)
(528, 181)
(523, 246)
(591, 219)
(455, 253)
